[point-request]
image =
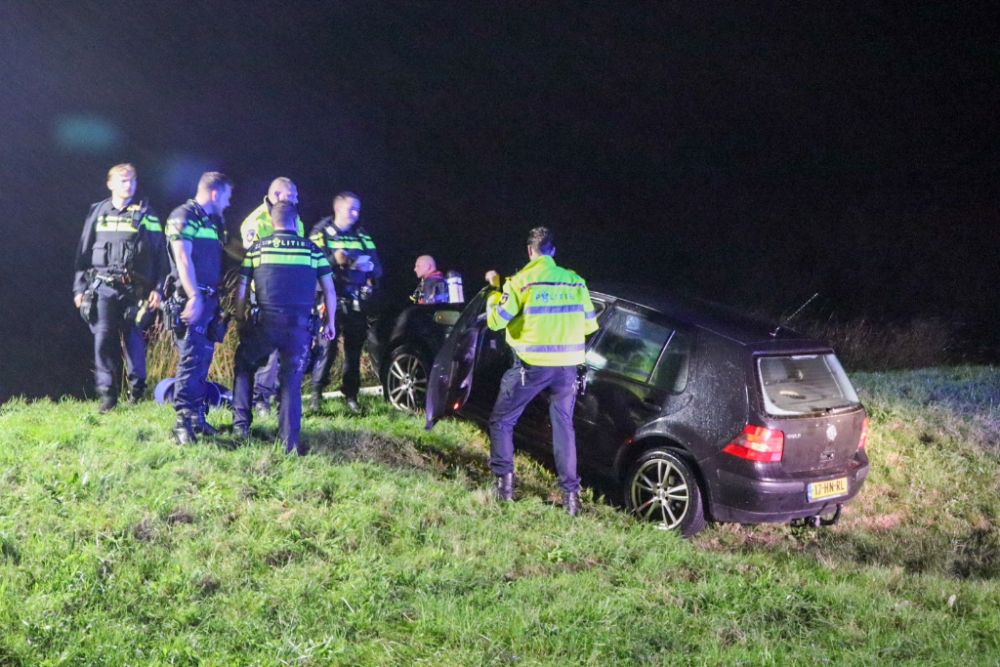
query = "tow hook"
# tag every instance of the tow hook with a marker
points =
(817, 521)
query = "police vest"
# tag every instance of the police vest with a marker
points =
(355, 242)
(207, 234)
(122, 242)
(547, 312)
(284, 268)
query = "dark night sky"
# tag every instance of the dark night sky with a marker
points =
(749, 154)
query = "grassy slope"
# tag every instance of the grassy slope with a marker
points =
(119, 548)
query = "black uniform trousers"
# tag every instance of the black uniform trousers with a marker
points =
(110, 330)
(194, 357)
(352, 327)
(521, 383)
(290, 336)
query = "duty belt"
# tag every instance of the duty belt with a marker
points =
(113, 279)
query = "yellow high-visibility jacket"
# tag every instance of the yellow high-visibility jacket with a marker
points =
(257, 225)
(547, 312)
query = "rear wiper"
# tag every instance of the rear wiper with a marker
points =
(838, 408)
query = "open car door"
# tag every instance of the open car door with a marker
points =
(450, 380)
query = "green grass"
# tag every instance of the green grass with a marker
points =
(118, 547)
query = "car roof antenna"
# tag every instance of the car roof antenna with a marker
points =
(785, 320)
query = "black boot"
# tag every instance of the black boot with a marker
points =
(503, 487)
(201, 426)
(571, 501)
(184, 430)
(109, 399)
(135, 395)
(298, 449)
(315, 400)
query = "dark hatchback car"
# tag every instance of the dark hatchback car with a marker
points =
(692, 411)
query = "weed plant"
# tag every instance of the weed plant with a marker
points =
(118, 547)
(866, 345)
(161, 359)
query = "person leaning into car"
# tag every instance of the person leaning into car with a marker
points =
(547, 312)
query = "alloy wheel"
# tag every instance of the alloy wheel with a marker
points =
(406, 382)
(660, 491)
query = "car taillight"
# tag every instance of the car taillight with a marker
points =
(863, 440)
(757, 443)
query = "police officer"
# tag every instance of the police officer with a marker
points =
(284, 268)
(121, 261)
(547, 312)
(197, 233)
(257, 225)
(356, 272)
(433, 287)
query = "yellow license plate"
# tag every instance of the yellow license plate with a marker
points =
(827, 489)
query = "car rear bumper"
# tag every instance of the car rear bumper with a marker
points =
(741, 499)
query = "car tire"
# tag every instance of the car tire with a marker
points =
(405, 385)
(661, 486)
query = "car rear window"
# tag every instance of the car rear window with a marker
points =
(799, 384)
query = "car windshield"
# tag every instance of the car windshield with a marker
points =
(799, 384)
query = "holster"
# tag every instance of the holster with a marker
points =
(172, 307)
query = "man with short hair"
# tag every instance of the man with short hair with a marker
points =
(121, 261)
(547, 313)
(284, 268)
(256, 226)
(356, 272)
(196, 231)
(433, 288)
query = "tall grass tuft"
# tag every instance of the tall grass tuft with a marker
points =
(161, 358)
(866, 345)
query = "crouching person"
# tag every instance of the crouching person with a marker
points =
(284, 267)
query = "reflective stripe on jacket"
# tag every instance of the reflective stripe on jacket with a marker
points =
(284, 268)
(207, 234)
(547, 312)
(257, 225)
(355, 242)
(123, 241)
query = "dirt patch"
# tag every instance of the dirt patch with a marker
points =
(180, 515)
(144, 531)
